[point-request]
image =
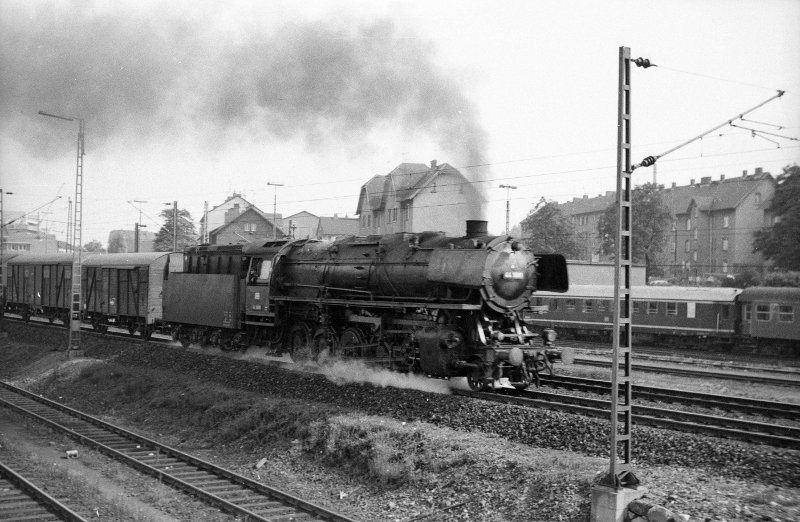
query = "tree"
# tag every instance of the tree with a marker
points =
(94, 246)
(117, 243)
(780, 243)
(186, 232)
(546, 230)
(650, 224)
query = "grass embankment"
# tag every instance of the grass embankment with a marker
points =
(475, 471)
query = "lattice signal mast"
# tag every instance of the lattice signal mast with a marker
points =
(74, 345)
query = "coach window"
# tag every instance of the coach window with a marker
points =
(602, 305)
(652, 308)
(571, 305)
(554, 305)
(725, 311)
(762, 312)
(587, 306)
(672, 308)
(785, 314)
(637, 307)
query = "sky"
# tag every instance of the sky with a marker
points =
(191, 101)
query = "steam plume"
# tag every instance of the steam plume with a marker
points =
(151, 72)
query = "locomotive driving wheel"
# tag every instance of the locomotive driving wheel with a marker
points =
(351, 342)
(300, 343)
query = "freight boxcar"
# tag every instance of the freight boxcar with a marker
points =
(40, 285)
(125, 290)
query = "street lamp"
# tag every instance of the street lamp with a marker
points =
(508, 204)
(74, 347)
(275, 209)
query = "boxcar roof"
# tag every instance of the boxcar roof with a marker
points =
(770, 293)
(129, 259)
(664, 293)
(41, 259)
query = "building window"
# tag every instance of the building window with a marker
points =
(587, 306)
(695, 233)
(724, 244)
(762, 312)
(747, 311)
(785, 314)
(652, 308)
(726, 221)
(724, 267)
(672, 308)
(694, 255)
(688, 224)
(688, 245)
(757, 198)
(695, 212)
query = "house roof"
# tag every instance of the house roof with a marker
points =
(250, 210)
(336, 226)
(714, 195)
(303, 213)
(406, 181)
(717, 195)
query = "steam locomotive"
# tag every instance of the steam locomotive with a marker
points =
(425, 302)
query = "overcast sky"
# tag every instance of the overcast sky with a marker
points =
(192, 101)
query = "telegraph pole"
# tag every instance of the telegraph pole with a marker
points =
(174, 225)
(138, 223)
(275, 209)
(508, 188)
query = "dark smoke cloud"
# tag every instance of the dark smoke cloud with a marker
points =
(151, 72)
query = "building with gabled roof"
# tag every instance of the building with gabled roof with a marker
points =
(243, 226)
(415, 197)
(332, 228)
(713, 224)
(216, 217)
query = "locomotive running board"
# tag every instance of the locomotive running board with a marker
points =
(378, 304)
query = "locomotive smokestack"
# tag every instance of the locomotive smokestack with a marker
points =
(477, 228)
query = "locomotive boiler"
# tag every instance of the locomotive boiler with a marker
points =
(422, 301)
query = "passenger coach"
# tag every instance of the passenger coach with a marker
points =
(659, 312)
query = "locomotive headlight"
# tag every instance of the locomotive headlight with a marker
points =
(515, 276)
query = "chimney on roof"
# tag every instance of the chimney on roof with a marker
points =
(433, 164)
(759, 171)
(705, 180)
(744, 173)
(335, 215)
(691, 183)
(585, 196)
(674, 184)
(232, 213)
(722, 177)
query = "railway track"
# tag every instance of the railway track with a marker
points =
(729, 360)
(761, 378)
(726, 427)
(216, 486)
(20, 499)
(707, 400)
